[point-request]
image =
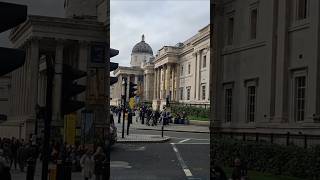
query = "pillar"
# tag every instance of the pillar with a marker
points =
(155, 85)
(83, 65)
(168, 71)
(159, 86)
(34, 72)
(57, 81)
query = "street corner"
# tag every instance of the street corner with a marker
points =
(142, 138)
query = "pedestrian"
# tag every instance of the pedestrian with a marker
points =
(87, 164)
(14, 152)
(119, 114)
(99, 157)
(4, 167)
(218, 173)
(21, 155)
(239, 171)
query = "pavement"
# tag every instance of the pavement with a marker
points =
(141, 138)
(170, 127)
(184, 157)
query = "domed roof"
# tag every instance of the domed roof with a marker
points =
(142, 47)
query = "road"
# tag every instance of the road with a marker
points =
(185, 156)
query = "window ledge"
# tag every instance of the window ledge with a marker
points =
(299, 25)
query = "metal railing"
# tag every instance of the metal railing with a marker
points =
(288, 138)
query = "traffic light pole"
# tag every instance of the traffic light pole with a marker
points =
(124, 106)
(48, 119)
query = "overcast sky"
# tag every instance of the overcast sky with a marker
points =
(163, 22)
(36, 7)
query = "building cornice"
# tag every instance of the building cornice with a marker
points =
(54, 27)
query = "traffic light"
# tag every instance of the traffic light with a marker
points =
(113, 66)
(132, 90)
(11, 15)
(71, 89)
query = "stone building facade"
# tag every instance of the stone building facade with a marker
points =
(267, 66)
(64, 41)
(180, 73)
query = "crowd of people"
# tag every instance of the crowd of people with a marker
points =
(18, 154)
(146, 115)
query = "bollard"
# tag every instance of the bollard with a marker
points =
(60, 170)
(106, 170)
(68, 170)
(162, 131)
(30, 169)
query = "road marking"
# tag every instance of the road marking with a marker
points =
(185, 168)
(192, 143)
(183, 140)
(172, 137)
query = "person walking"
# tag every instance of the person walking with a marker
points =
(14, 151)
(4, 167)
(99, 157)
(239, 171)
(87, 164)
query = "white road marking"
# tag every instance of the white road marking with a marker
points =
(185, 168)
(191, 143)
(182, 141)
(187, 172)
(190, 138)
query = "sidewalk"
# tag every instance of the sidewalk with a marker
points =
(141, 138)
(170, 127)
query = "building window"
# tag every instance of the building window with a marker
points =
(228, 104)
(204, 63)
(251, 103)
(181, 73)
(203, 92)
(189, 68)
(302, 9)
(253, 23)
(299, 97)
(188, 93)
(181, 93)
(230, 31)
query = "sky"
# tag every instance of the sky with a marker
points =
(163, 22)
(36, 7)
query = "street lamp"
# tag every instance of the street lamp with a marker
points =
(124, 93)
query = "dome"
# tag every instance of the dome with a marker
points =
(142, 47)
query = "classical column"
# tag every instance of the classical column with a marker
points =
(196, 75)
(159, 83)
(172, 84)
(34, 73)
(168, 72)
(155, 85)
(199, 74)
(163, 83)
(83, 65)
(178, 83)
(57, 80)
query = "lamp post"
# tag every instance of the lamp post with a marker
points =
(124, 93)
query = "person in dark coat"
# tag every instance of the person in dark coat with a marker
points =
(4, 167)
(217, 173)
(239, 171)
(99, 157)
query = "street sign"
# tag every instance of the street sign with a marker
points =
(87, 128)
(131, 103)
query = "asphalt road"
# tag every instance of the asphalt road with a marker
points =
(185, 156)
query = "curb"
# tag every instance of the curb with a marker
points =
(173, 130)
(144, 141)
